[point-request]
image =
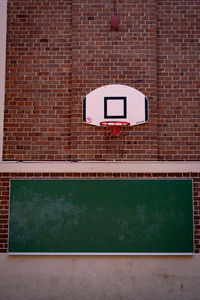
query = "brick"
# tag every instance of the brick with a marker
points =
(42, 72)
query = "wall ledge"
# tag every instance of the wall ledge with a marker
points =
(100, 167)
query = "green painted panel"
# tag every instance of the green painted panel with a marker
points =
(145, 216)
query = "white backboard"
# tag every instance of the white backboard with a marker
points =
(115, 103)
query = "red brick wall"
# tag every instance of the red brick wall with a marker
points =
(178, 80)
(38, 81)
(57, 52)
(4, 196)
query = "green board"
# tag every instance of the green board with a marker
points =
(101, 216)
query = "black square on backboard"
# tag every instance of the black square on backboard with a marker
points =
(122, 116)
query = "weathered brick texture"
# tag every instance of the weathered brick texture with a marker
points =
(178, 80)
(5, 182)
(58, 51)
(38, 81)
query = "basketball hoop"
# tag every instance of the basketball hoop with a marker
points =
(114, 127)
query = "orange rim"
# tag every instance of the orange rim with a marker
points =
(114, 127)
